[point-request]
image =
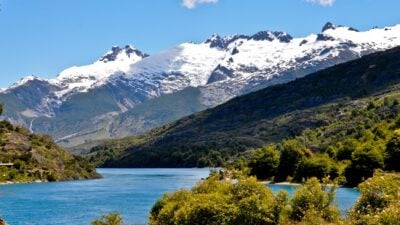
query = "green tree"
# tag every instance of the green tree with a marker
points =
(346, 149)
(392, 152)
(319, 167)
(264, 162)
(363, 163)
(292, 153)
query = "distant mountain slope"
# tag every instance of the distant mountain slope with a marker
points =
(90, 102)
(28, 157)
(265, 116)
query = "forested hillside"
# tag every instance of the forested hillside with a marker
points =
(341, 95)
(27, 157)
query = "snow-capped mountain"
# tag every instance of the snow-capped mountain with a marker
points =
(277, 57)
(82, 78)
(94, 101)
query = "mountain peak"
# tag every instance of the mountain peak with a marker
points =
(24, 80)
(118, 53)
(21, 82)
(272, 35)
(217, 41)
(328, 26)
(331, 26)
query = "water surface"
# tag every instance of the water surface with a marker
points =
(129, 191)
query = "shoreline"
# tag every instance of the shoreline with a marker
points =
(46, 181)
(23, 182)
(285, 183)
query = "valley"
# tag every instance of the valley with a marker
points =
(290, 121)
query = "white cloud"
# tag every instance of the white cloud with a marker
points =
(322, 2)
(190, 4)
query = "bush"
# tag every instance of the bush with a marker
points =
(316, 200)
(379, 202)
(109, 219)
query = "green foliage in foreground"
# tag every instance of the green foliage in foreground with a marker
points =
(109, 219)
(379, 202)
(248, 202)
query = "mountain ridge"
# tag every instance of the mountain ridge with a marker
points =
(266, 116)
(219, 68)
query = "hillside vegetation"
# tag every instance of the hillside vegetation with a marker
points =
(350, 148)
(32, 157)
(268, 116)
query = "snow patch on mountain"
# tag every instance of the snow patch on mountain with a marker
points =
(223, 67)
(23, 81)
(83, 78)
(185, 65)
(263, 62)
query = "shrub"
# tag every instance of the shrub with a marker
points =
(379, 202)
(314, 200)
(109, 219)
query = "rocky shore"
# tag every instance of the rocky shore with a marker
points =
(2, 222)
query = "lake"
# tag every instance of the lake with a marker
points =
(129, 191)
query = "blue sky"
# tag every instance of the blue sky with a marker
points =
(42, 37)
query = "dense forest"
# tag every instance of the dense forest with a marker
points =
(348, 149)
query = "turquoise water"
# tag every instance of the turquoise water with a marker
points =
(129, 191)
